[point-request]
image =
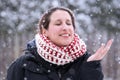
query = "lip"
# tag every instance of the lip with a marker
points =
(64, 35)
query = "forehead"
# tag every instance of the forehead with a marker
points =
(60, 14)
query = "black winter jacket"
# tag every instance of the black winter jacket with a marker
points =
(32, 67)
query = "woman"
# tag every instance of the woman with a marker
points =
(57, 53)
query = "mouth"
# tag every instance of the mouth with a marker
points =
(65, 35)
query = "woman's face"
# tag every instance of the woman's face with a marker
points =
(60, 30)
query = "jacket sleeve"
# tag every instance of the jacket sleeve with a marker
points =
(91, 70)
(15, 71)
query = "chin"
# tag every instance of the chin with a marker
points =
(66, 44)
(63, 44)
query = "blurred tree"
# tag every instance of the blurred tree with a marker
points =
(96, 22)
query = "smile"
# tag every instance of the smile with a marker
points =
(65, 35)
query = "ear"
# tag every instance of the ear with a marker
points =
(44, 31)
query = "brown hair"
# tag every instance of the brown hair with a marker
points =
(45, 19)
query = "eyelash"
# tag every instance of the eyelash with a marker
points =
(60, 24)
(68, 23)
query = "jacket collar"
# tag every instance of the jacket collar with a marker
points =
(32, 49)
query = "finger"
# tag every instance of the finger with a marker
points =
(99, 52)
(108, 45)
(100, 49)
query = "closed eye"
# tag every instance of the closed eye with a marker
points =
(68, 22)
(58, 23)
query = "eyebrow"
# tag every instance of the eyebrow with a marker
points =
(66, 20)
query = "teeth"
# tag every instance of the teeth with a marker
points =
(65, 35)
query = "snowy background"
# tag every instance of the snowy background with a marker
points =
(97, 21)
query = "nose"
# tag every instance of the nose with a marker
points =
(64, 26)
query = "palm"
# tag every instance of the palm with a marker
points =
(101, 52)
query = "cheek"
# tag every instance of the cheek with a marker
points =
(51, 33)
(72, 30)
(54, 30)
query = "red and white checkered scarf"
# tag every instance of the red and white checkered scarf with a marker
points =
(59, 55)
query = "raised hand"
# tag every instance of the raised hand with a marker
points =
(101, 52)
